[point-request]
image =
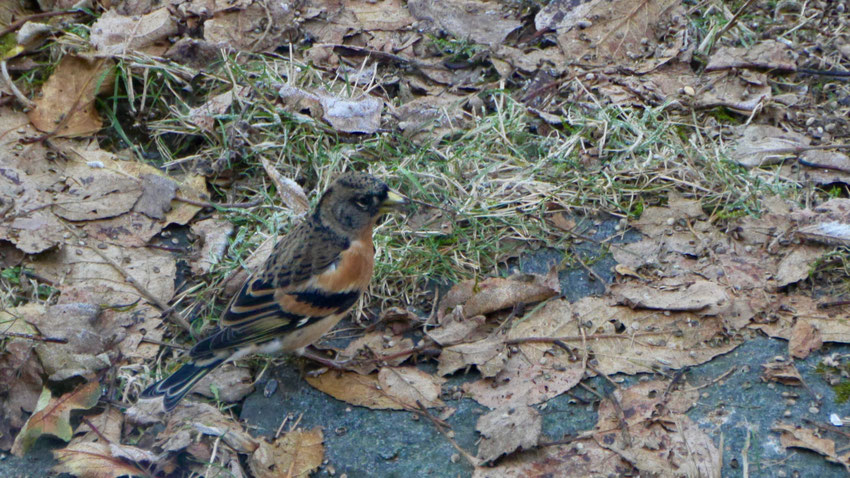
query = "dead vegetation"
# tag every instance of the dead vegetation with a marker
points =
(150, 155)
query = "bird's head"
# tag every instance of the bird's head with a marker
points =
(354, 201)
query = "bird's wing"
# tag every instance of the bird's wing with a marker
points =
(286, 293)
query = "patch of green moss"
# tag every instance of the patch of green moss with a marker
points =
(842, 392)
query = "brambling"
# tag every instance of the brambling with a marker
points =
(314, 275)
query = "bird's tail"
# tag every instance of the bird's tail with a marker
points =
(178, 384)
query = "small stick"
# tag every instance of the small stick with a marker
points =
(731, 23)
(578, 338)
(193, 202)
(424, 411)
(40, 338)
(164, 344)
(18, 24)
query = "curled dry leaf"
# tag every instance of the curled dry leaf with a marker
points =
(361, 114)
(787, 313)
(490, 295)
(67, 98)
(214, 234)
(288, 190)
(204, 116)
(794, 436)
(785, 373)
(805, 339)
(507, 429)
(53, 414)
(456, 329)
(297, 453)
(391, 388)
(87, 338)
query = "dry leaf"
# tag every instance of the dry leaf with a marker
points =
(20, 383)
(455, 329)
(258, 27)
(214, 234)
(492, 294)
(367, 351)
(653, 418)
(783, 372)
(208, 420)
(760, 145)
(157, 193)
(584, 459)
(507, 429)
(204, 116)
(296, 454)
(489, 355)
(794, 436)
(67, 98)
(480, 22)
(767, 54)
(115, 34)
(107, 425)
(634, 36)
(232, 383)
(698, 296)
(392, 388)
(53, 414)
(288, 190)
(94, 460)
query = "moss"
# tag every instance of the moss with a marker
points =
(842, 392)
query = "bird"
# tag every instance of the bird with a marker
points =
(313, 277)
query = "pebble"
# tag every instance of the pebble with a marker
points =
(270, 388)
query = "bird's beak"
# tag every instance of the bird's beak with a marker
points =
(393, 202)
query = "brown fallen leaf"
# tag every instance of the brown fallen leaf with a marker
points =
(478, 21)
(297, 453)
(743, 91)
(784, 313)
(204, 116)
(95, 460)
(698, 296)
(507, 429)
(355, 114)
(67, 98)
(495, 293)
(119, 35)
(489, 355)
(107, 426)
(214, 234)
(760, 145)
(767, 54)
(794, 436)
(255, 28)
(634, 36)
(392, 388)
(365, 352)
(53, 414)
(584, 458)
(653, 419)
(20, 385)
(288, 190)
(785, 373)
(231, 383)
(192, 417)
(456, 329)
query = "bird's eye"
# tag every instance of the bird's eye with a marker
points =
(362, 203)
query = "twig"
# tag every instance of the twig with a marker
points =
(721, 377)
(578, 338)
(745, 460)
(15, 91)
(621, 415)
(40, 338)
(731, 23)
(835, 303)
(592, 272)
(164, 344)
(424, 411)
(255, 202)
(132, 281)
